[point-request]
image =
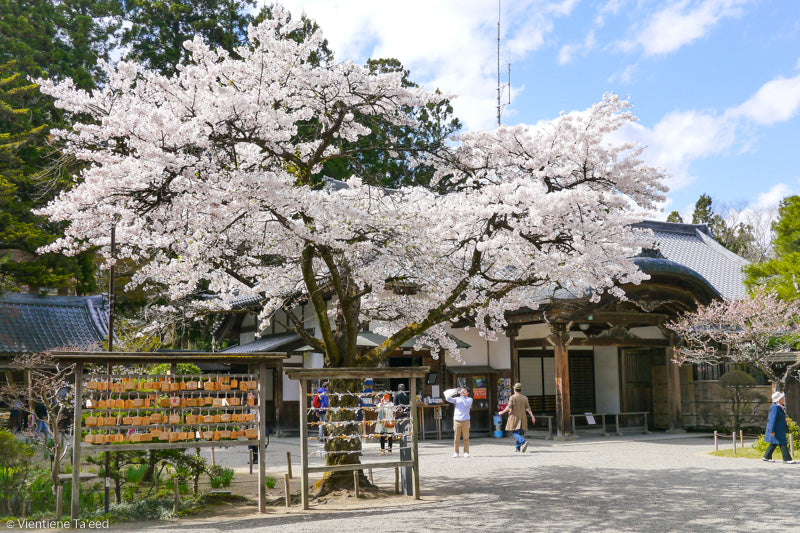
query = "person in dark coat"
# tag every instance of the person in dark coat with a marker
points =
(776, 429)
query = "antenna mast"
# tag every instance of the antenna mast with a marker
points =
(500, 87)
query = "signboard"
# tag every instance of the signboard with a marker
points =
(479, 394)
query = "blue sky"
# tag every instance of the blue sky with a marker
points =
(715, 83)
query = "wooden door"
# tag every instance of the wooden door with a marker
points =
(636, 380)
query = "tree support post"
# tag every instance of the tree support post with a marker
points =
(262, 429)
(75, 503)
(303, 444)
(414, 452)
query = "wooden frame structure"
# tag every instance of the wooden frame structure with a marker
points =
(305, 375)
(262, 361)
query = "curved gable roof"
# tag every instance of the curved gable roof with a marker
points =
(693, 246)
(31, 323)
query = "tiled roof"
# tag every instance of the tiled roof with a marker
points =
(31, 324)
(265, 344)
(692, 246)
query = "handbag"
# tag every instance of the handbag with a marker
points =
(389, 424)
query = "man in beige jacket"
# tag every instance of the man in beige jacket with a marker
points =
(517, 423)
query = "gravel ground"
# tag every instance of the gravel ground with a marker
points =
(651, 483)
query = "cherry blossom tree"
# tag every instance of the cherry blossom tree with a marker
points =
(213, 180)
(761, 332)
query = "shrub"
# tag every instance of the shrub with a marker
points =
(15, 462)
(220, 476)
(270, 482)
(792, 428)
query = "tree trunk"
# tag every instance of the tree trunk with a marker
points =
(343, 442)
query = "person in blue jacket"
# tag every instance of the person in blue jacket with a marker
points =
(323, 410)
(776, 429)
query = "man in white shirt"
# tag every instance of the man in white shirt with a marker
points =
(462, 403)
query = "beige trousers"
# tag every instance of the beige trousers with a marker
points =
(461, 428)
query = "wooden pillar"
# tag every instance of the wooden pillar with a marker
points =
(262, 426)
(303, 443)
(674, 393)
(414, 452)
(278, 392)
(75, 507)
(560, 340)
(512, 333)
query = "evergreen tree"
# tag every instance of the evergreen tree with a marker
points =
(159, 28)
(738, 237)
(782, 273)
(42, 38)
(675, 217)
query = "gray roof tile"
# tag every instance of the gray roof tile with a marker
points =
(693, 246)
(31, 324)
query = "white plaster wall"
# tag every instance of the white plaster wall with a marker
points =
(606, 379)
(500, 352)
(648, 332)
(476, 354)
(534, 331)
(247, 337)
(291, 390)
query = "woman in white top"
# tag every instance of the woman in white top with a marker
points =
(386, 423)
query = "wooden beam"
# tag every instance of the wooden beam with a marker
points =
(628, 317)
(269, 358)
(595, 341)
(352, 373)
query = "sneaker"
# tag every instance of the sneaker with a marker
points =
(466, 454)
(516, 450)
(524, 447)
(789, 462)
(767, 460)
(455, 455)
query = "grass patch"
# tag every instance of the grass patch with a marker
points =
(741, 453)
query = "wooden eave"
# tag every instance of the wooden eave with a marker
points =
(271, 359)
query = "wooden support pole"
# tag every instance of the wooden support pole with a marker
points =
(734, 442)
(213, 457)
(397, 480)
(303, 444)
(59, 502)
(355, 483)
(251, 461)
(75, 503)
(287, 490)
(560, 338)
(716, 441)
(289, 463)
(177, 497)
(674, 393)
(414, 435)
(262, 427)
(791, 445)
(371, 481)
(741, 437)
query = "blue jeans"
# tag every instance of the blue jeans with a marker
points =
(322, 424)
(517, 433)
(41, 427)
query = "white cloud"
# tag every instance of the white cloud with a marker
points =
(771, 198)
(568, 51)
(446, 44)
(776, 101)
(680, 138)
(681, 23)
